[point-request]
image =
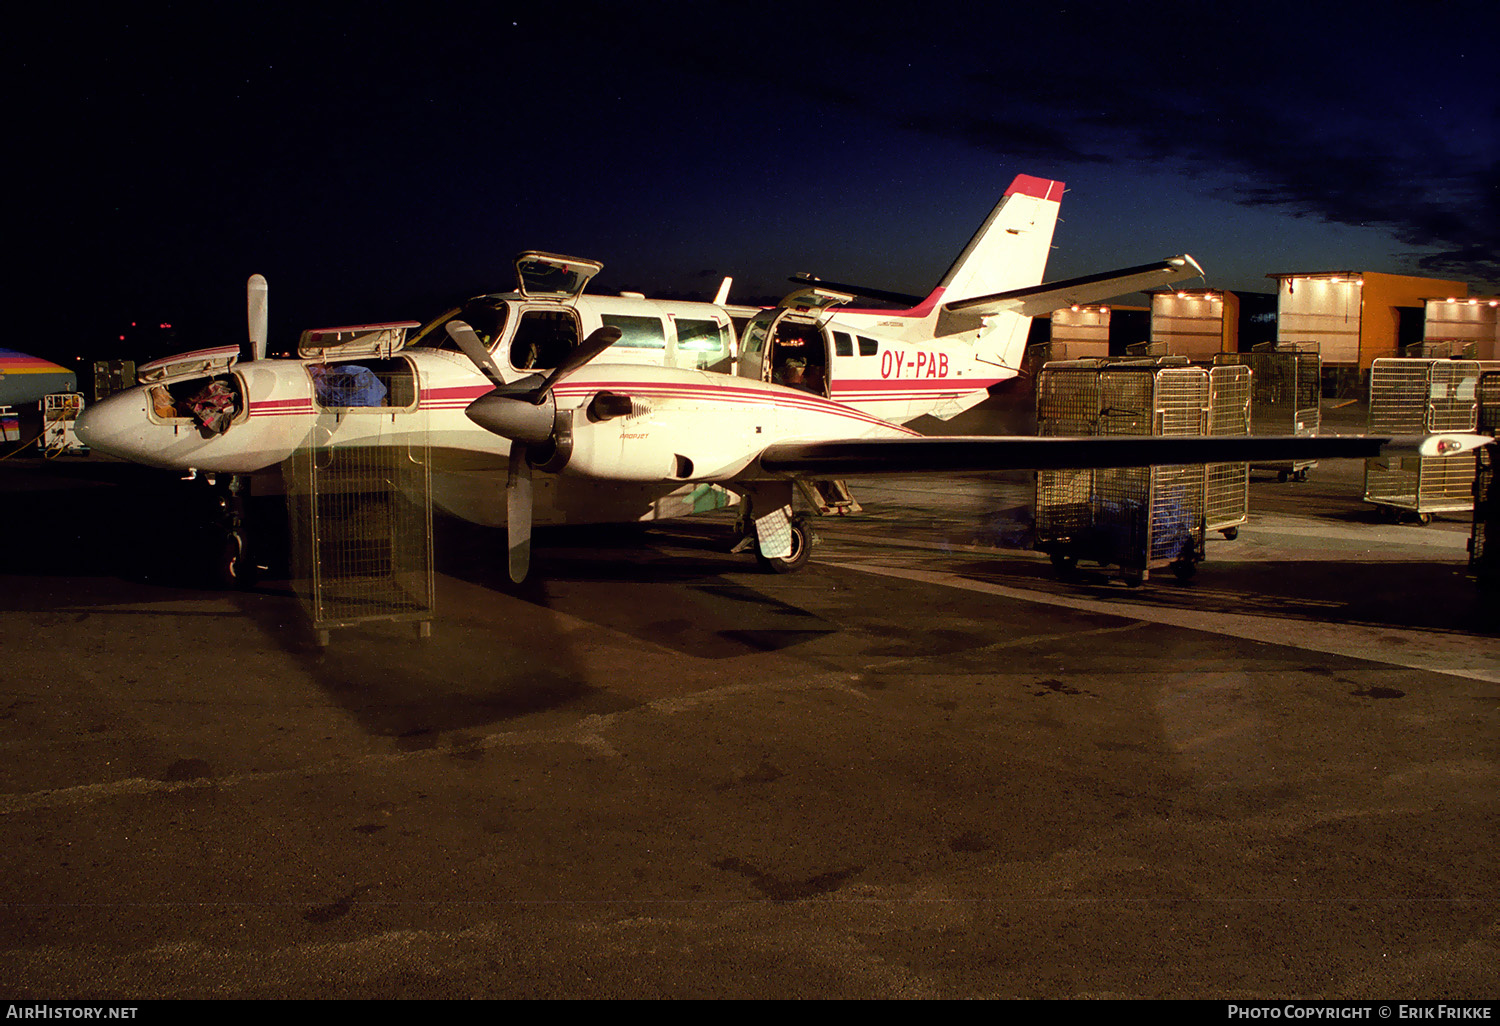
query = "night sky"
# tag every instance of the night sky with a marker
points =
(379, 163)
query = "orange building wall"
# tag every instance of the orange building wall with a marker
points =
(1382, 294)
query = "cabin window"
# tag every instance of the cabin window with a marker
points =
(868, 346)
(543, 339)
(637, 332)
(368, 384)
(700, 343)
(843, 345)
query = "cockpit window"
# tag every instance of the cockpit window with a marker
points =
(485, 316)
(543, 339)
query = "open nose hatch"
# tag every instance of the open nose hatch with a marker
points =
(197, 387)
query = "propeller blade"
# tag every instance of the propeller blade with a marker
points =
(518, 513)
(257, 303)
(596, 343)
(463, 334)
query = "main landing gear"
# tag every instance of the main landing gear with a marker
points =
(782, 540)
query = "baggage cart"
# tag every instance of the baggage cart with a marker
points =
(1226, 496)
(361, 533)
(1135, 519)
(1411, 396)
(1285, 394)
(1484, 536)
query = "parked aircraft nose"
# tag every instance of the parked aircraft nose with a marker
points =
(117, 426)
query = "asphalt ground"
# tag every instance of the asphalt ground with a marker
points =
(924, 767)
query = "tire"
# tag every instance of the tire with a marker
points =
(1064, 563)
(802, 543)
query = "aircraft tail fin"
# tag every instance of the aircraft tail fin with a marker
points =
(1010, 249)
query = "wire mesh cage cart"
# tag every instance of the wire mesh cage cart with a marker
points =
(1284, 396)
(1226, 496)
(361, 532)
(1135, 519)
(1484, 537)
(1418, 396)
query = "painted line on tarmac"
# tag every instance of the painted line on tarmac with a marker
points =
(1457, 655)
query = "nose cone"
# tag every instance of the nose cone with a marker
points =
(118, 426)
(519, 420)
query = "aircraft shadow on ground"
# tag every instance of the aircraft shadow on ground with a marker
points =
(676, 584)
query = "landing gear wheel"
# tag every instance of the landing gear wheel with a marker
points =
(802, 543)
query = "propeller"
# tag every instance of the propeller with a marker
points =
(257, 302)
(525, 413)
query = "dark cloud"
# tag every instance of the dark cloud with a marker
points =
(1372, 119)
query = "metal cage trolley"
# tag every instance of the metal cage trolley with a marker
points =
(1484, 536)
(1285, 394)
(1135, 519)
(1420, 396)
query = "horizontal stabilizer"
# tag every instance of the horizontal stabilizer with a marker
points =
(956, 454)
(1036, 300)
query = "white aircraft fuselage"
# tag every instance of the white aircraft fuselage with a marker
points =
(709, 384)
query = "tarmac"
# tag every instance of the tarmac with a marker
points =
(926, 766)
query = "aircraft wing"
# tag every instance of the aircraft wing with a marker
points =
(871, 456)
(1036, 300)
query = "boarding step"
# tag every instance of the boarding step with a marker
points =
(829, 498)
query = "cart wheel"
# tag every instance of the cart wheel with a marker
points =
(1424, 519)
(1231, 533)
(1184, 569)
(1300, 475)
(1064, 562)
(1281, 477)
(1134, 579)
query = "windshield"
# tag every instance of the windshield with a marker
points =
(484, 314)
